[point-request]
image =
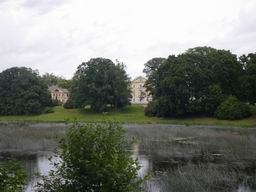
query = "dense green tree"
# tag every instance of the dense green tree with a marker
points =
(12, 177)
(213, 99)
(150, 69)
(248, 80)
(100, 83)
(22, 91)
(51, 79)
(64, 83)
(94, 157)
(185, 84)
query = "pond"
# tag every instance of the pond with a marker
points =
(180, 158)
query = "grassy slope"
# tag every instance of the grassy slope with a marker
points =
(131, 114)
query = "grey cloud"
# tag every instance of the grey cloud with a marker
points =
(60, 45)
(42, 6)
(242, 38)
(2, 1)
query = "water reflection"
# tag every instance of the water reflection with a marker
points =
(242, 188)
(39, 163)
(42, 166)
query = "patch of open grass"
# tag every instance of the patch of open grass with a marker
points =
(129, 114)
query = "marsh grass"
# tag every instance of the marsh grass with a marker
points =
(201, 178)
(199, 159)
(29, 137)
(184, 158)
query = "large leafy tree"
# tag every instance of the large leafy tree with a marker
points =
(194, 82)
(93, 157)
(51, 79)
(150, 69)
(22, 91)
(248, 80)
(100, 83)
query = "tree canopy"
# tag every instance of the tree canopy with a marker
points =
(150, 70)
(194, 82)
(51, 79)
(22, 91)
(248, 79)
(100, 83)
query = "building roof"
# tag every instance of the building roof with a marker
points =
(55, 88)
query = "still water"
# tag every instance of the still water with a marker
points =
(39, 163)
(181, 158)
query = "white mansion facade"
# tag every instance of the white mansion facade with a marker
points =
(139, 93)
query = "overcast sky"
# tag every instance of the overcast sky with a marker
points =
(56, 36)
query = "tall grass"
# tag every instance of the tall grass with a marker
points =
(182, 158)
(30, 137)
(200, 159)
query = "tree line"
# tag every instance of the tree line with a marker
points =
(201, 81)
(99, 83)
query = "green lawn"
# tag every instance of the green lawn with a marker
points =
(130, 114)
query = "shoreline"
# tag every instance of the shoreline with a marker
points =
(129, 115)
(64, 124)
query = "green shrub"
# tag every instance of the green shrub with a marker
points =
(94, 157)
(150, 109)
(48, 110)
(232, 109)
(55, 103)
(12, 177)
(33, 107)
(253, 109)
(159, 108)
(69, 104)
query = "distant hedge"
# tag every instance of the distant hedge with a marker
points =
(232, 109)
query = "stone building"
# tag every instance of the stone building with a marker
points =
(139, 93)
(59, 94)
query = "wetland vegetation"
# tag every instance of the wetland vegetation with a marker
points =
(181, 158)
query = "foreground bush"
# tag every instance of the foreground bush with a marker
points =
(93, 158)
(232, 109)
(12, 177)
